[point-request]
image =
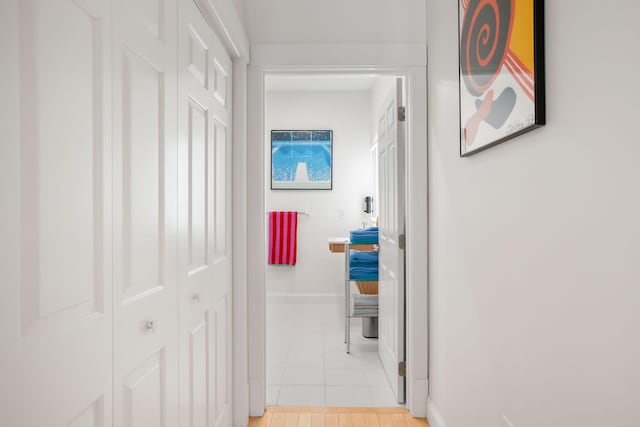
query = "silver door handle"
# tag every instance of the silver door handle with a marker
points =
(196, 297)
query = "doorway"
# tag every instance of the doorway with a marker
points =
(321, 129)
(282, 60)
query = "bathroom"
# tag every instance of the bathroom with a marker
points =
(307, 362)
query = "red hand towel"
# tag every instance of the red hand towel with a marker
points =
(283, 237)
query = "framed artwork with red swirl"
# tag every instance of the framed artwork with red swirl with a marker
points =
(502, 87)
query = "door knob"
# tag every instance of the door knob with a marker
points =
(150, 326)
(196, 297)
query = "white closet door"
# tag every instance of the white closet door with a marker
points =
(145, 213)
(205, 223)
(392, 224)
(55, 226)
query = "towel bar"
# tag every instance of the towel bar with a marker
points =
(305, 213)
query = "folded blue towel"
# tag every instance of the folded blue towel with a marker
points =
(365, 240)
(366, 236)
(362, 256)
(363, 273)
(364, 270)
(361, 233)
(363, 264)
(365, 277)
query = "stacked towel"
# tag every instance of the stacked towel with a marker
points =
(364, 273)
(366, 236)
(363, 265)
(364, 305)
(363, 259)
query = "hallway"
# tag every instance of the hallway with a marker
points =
(133, 167)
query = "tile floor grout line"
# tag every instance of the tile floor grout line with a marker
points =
(278, 394)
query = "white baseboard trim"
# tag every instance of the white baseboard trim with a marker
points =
(292, 298)
(433, 415)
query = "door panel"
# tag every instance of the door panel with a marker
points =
(221, 77)
(221, 186)
(199, 165)
(55, 298)
(90, 417)
(204, 218)
(222, 344)
(144, 401)
(391, 284)
(199, 373)
(143, 177)
(55, 139)
(145, 213)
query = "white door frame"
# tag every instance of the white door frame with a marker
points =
(404, 60)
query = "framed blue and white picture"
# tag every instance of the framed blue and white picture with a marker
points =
(301, 159)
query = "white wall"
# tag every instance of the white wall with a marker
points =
(535, 243)
(336, 21)
(240, 7)
(319, 271)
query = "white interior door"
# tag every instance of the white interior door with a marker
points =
(205, 223)
(145, 213)
(55, 227)
(391, 290)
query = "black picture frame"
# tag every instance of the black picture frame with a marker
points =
(487, 119)
(315, 164)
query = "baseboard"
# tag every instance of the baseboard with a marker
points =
(433, 415)
(292, 298)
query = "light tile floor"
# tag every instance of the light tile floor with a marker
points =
(307, 364)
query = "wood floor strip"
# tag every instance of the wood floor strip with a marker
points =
(335, 410)
(331, 420)
(289, 416)
(415, 422)
(318, 420)
(344, 419)
(372, 420)
(385, 420)
(398, 420)
(277, 420)
(358, 420)
(255, 421)
(291, 419)
(266, 419)
(304, 419)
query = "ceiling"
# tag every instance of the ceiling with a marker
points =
(335, 21)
